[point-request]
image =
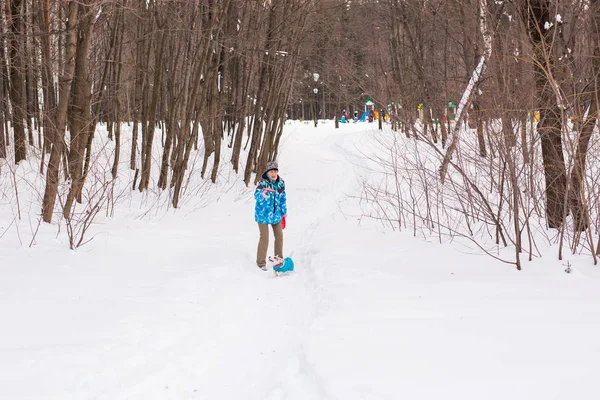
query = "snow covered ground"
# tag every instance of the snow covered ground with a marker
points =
(169, 304)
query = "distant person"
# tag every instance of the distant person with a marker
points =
(355, 116)
(343, 119)
(271, 209)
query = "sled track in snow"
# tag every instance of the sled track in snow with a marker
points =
(299, 378)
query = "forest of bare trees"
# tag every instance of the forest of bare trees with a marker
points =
(522, 75)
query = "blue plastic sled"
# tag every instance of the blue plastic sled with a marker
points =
(286, 266)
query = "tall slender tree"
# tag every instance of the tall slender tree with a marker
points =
(14, 10)
(57, 138)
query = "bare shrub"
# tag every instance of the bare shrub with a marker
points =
(488, 201)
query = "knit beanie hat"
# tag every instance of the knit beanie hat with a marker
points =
(271, 165)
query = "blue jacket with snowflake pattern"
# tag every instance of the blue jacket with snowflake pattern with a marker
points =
(274, 207)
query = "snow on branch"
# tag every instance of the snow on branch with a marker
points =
(467, 93)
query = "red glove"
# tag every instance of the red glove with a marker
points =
(283, 222)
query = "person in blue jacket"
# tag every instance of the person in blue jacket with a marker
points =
(271, 209)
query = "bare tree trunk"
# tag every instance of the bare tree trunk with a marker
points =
(148, 138)
(241, 76)
(47, 84)
(217, 118)
(29, 64)
(138, 95)
(577, 198)
(36, 108)
(480, 134)
(257, 128)
(242, 106)
(61, 115)
(79, 112)
(208, 126)
(118, 94)
(3, 91)
(503, 84)
(17, 99)
(550, 125)
(177, 93)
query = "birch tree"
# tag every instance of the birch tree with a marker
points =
(475, 78)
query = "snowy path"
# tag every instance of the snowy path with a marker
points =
(318, 180)
(173, 307)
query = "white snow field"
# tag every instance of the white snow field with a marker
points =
(169, 304)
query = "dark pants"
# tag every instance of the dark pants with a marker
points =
(263, 243)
